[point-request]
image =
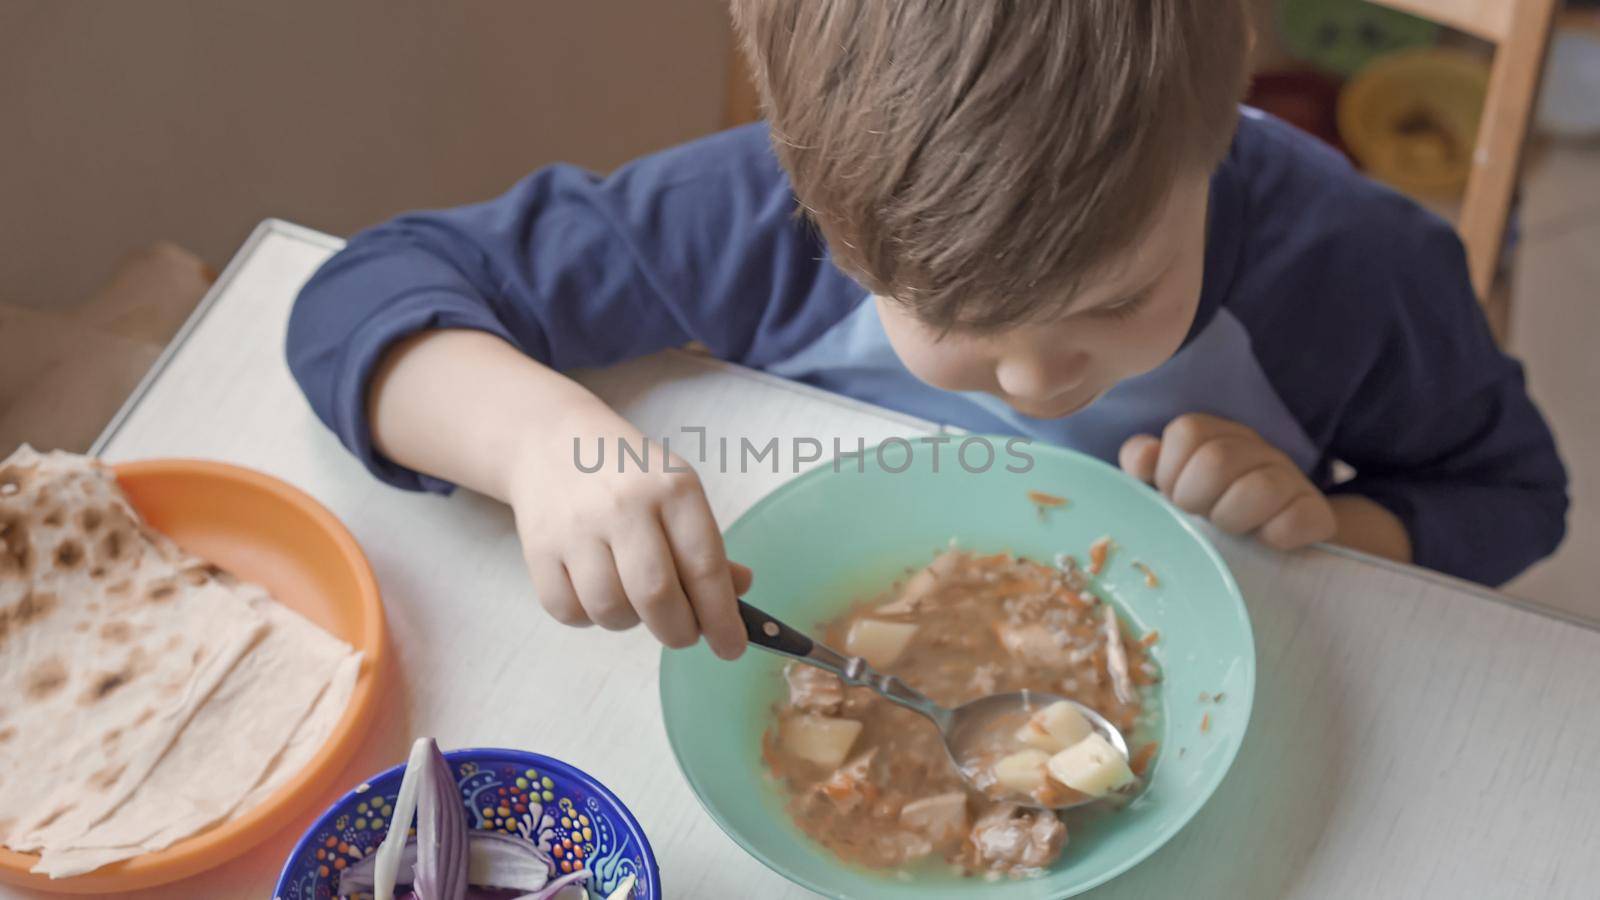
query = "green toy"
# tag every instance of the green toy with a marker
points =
(1342, 36)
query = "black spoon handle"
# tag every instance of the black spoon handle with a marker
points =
(772, 634)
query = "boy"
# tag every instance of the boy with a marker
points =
(1043, 218)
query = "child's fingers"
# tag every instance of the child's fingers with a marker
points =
(1214, 467)
(1138, 456)
(554, 590)
(594, 575)
(703, 570)
(650, 576)
(1306, 520)
(1181, 438)
(1252, 500)
(742, 578)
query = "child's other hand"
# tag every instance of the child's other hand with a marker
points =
(1229, 474)
(616, 549)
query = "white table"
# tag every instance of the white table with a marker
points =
(1413, 736)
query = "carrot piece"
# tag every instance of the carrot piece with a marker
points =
(1150, 637)
(1205, 723)
(1040, 498)
(1141, 758)
(1150, 579)
(838, 791)
(1076, 599)
(1099, 551)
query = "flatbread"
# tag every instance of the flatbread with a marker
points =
(105, 651)
(312, 733)
(284, 682)
(242, 722)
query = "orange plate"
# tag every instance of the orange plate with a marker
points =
(268, 532)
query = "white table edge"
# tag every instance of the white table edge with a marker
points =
(264, 229)
(278, 227)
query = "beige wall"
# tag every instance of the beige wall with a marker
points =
(126, 122)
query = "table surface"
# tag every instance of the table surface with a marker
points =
(1413, 736)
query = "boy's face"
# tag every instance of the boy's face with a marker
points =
(1128, 319)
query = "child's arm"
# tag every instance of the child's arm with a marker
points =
(1378, 346)
(1228, 473)
(1441, 430)
(432, 344)
(1366, 525)
(602, 547)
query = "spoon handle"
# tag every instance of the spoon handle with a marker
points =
(773, 635)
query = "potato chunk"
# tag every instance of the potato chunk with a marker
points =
(1055, 728)
(879, 643)
(1022, 772)
(819, 739)
(1091, 766)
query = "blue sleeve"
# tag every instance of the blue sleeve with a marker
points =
(698, 243)
(1361, 312)
(1440, 428)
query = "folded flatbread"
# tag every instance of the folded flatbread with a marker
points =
(145, 695)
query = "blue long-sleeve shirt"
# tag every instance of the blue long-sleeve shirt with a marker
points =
(1337, 319)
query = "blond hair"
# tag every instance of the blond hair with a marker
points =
(974, 158)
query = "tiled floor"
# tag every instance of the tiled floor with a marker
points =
(1556, 332)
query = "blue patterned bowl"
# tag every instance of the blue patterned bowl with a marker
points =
(519, 793)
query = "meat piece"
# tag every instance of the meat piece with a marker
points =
(1016, 840)
(942, 818)
(1117, 659)
(1036, 643)
(1061, 617)
(1027, 606)
(851, 785)
(922, 586)
(896, 848)
(814, 690)
(985, 678)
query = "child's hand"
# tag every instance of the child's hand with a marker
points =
(614, 549)
(1229, 474)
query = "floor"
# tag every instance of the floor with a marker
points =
(66, 368)
(1555, 323)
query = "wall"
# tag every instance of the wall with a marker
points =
(124, 123)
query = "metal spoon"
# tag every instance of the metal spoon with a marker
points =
(959, 727)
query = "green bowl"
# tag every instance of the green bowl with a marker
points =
(829, 537)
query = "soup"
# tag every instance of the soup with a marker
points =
(871, 781)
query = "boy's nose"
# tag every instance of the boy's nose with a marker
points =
(1040, 377)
